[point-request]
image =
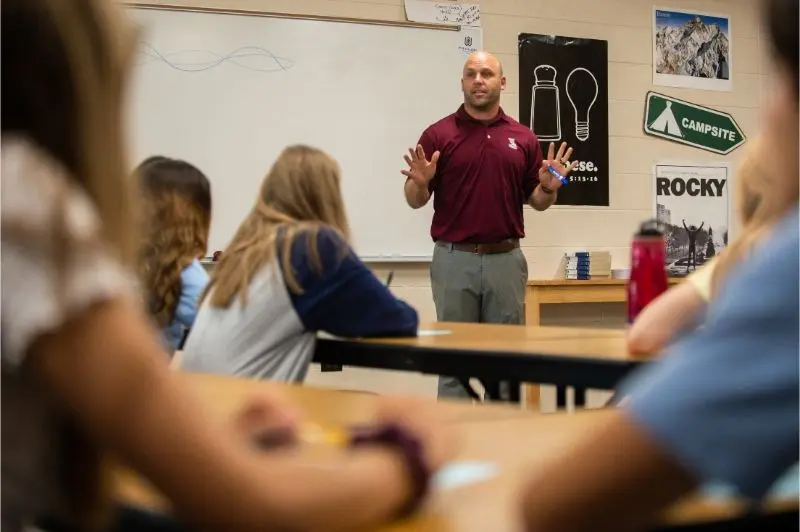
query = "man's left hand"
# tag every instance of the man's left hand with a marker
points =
(560, 162)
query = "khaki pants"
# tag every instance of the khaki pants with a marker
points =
(479, 289)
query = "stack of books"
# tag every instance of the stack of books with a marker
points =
(585, 265)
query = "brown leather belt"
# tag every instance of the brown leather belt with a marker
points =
(485, 249)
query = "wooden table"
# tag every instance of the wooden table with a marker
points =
(564, 356)
(562, 291)
(516, 441)
(541, 292)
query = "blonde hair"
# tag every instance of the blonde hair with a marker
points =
(759, 206)
(67, 65)
(301, 193)
(175, 220)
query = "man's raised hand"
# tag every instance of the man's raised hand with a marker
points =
(420, 169)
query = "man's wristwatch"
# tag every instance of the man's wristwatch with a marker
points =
(546, 190)
(410, 448)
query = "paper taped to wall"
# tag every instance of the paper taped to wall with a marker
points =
(454, 13)
(469, 38)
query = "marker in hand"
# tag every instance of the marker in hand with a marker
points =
(556, 173)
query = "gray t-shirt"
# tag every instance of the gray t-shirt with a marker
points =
(40, 292)
(724, 401)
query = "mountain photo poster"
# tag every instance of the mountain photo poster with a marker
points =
(692, 50)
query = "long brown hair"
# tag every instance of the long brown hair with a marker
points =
(758, 205)
(175, 220)
(300, 194)
(66, 65)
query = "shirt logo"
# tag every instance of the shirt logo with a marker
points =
(512, 143)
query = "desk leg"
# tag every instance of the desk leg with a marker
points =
(580, 397)
(561, 397)
(514, 392)
(532, 319)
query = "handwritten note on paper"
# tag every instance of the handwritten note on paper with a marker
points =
(468, 16)
(443, 12)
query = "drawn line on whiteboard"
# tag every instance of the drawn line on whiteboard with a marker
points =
(254, 58)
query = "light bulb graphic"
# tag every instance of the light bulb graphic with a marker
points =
(582, 93)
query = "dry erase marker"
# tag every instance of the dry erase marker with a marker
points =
(556, 173)
(389, 279)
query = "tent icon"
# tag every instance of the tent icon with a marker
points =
(666, 123)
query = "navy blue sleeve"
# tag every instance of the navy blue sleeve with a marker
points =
(345, 298)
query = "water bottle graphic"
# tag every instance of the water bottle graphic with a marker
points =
(545, 105)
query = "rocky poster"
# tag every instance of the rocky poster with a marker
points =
(692, 50)
(692, 204)
(563, 97)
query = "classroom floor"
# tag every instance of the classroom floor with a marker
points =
(404, 383)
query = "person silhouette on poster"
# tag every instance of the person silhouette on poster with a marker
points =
(711, 250)
(691, 232)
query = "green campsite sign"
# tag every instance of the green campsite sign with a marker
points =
(691, 124)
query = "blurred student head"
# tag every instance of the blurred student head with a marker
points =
(175, 222)
(66, 65)
(781, 107)
(301, 192)
(758, 206)
(767, 186)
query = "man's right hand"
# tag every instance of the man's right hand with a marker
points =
(420, 169)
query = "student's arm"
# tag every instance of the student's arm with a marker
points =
(674, 312)
(194, 279)
(721, 405)
(212, 476)
(346, 299)
(617, 478)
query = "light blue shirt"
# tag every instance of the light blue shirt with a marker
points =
(724, 401)
(194, 279)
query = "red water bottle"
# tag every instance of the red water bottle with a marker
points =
(648, 278)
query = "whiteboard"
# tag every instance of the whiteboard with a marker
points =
(227, 92)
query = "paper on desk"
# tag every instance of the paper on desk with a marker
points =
(433, 332)
(463, 473)
(787, 486)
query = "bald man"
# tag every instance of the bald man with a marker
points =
(480, 166)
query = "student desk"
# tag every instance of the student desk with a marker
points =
(563, 356)
(514, 441)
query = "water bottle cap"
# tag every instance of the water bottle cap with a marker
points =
(651, 228)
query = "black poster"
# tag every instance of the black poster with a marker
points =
(563, 97)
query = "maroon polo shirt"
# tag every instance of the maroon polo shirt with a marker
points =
(486, 172)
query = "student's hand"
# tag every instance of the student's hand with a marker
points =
(266, 412)
(560, 162)
(422, 419)
(420, 170)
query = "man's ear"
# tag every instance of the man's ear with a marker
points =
(503, 83)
